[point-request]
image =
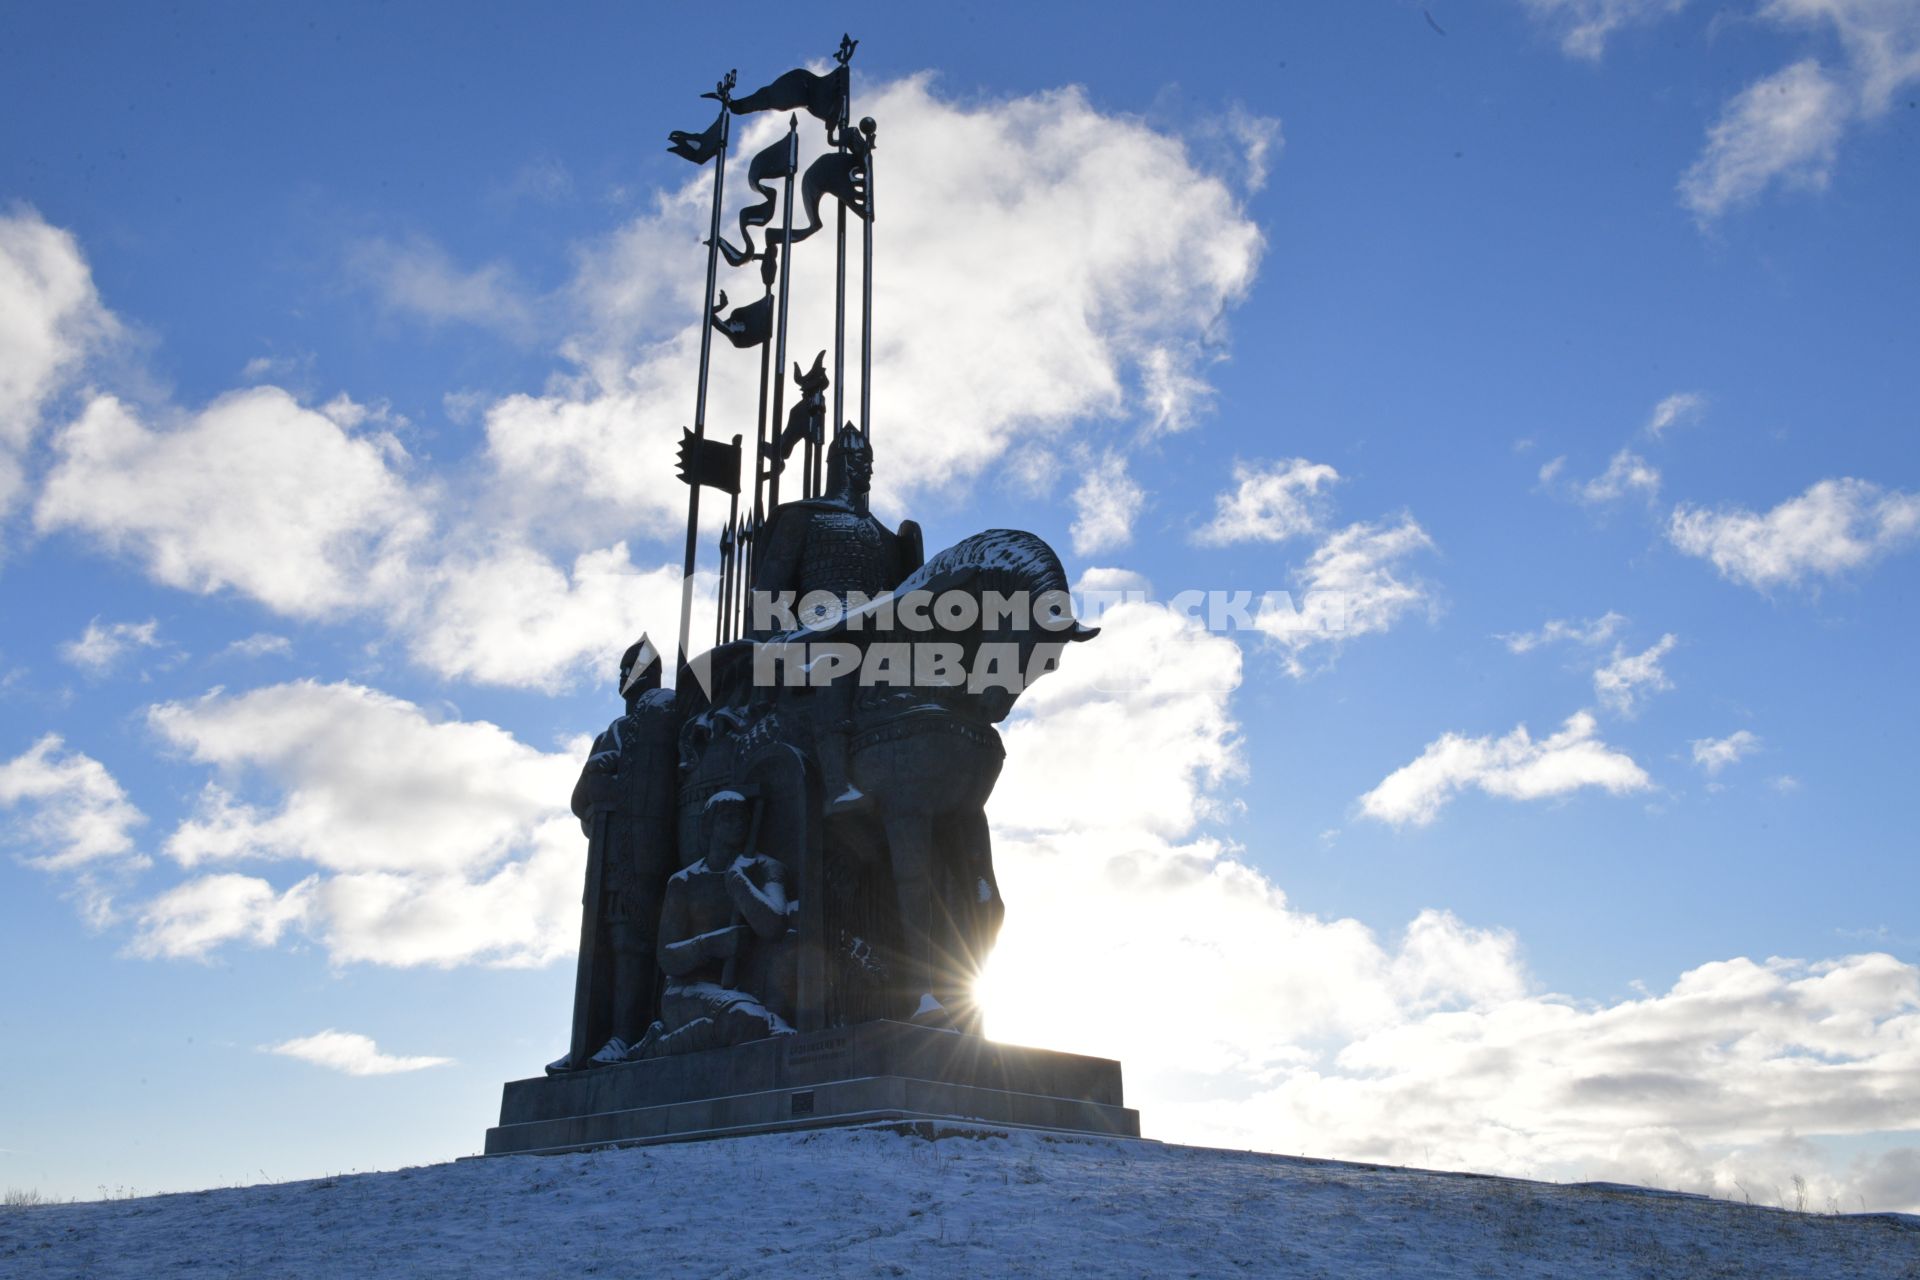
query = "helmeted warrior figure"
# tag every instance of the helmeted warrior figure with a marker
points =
(831, 543)
(724, 942)
(625, 802)
(820, 554)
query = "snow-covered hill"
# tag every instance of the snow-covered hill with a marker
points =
(884, 1203)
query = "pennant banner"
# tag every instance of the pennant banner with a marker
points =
(774, 162)
(821, 96)
(842, 175)
(749, 326)
(698, 147)
(709, 463)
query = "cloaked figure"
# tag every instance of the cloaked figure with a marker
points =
(726, 942)
(625, 802)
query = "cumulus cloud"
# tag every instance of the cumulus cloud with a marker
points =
(1834, 527)
(1624, 683)
(1114, 255)
(513, 617)
(195, 917)
(1708, 1086)
(1785, 129)
(1589, 633)
(53, 318)
(1245, 1021)
(1271, 502)
(255, 493)
(72, 812)
(1152, 676)
(310, 512)
(350, 1053)
(421, 841)
(1584, 26)
(1105, 504)
(1516, 767)
(1355, 583)
(1715, 754)
(1681, 406)
(99, 648)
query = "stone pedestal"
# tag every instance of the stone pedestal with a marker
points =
(876, 1071)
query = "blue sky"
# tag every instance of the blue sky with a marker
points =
(343, 351)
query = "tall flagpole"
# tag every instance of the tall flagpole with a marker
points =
(840, 252)
(724, 88)
(867, 130)
(768, 266)
(778, 423)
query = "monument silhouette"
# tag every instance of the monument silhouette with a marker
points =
(789, 886)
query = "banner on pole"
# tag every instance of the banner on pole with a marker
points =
(709, 463)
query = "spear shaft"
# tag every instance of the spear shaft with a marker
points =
(700, 397)
(786, 281)
(866, 292)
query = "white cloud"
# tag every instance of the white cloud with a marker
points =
(1715, 754)
(1881, 39)
(260, 644)
(1589, 633)
(1585, 25)
(1622, 684)
(1151, 676)
(430, 842)
(1353, 584)
(191, 919)
(1834, 527)
(1270, 503)
(515, 618)
(350, 1053)
(1105, 505)
(99, 648)
(418, 277)
(1627, 473)
(1429, 1045)
(76, 814)
(1785, 128)
(1714, 1082)
(309, 512)
(1117, 258)
(52, 319)
(1681, 406)
(254, 493)
(1515, 767)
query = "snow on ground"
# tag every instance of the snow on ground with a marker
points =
(876, 1202)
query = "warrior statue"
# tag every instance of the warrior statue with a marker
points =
(625, 803)
(831, 544)
(823, 554)
(725, 943)
(809, 850)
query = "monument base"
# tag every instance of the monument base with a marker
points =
(875, 1071)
